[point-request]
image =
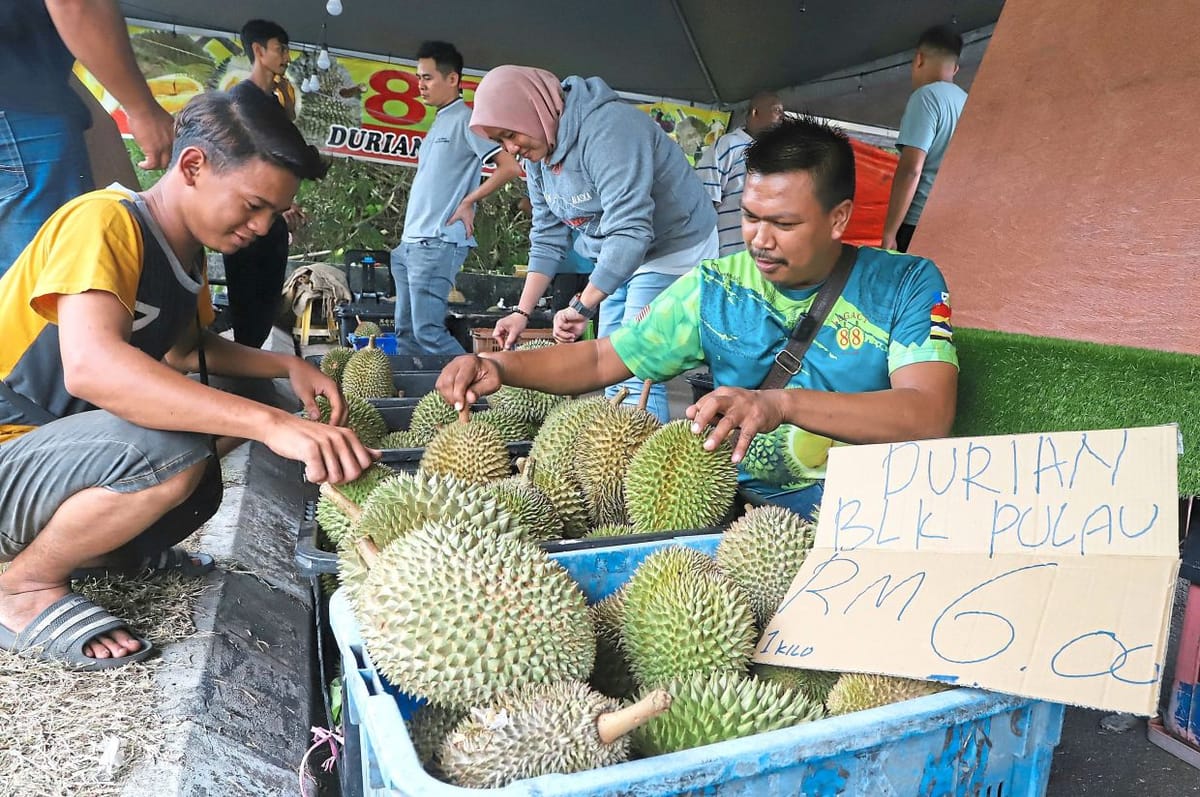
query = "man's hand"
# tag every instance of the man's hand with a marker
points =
(308, 382)
(329, 453)
(727, 409)
(467, 378)
(154, 131)
(568, 325)
(508, 330)
(465, 212)
(889, 242)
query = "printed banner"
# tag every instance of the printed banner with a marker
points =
(363, 108)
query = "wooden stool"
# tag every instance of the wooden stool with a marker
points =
(304, 330)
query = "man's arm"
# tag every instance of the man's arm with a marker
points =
(95, 33)
(904, 188)
(919, 405)
(100, 367)
(506, 169)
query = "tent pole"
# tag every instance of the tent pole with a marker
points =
(687, 31)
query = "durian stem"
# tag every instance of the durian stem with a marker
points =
(342, 501)
(368, 550)
(464, 415)
(649, 383)
(371, 342)
(619, 396)
(615, 724)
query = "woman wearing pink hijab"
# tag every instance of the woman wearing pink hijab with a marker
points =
(604, 169)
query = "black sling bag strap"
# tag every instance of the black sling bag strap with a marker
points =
(790, 359)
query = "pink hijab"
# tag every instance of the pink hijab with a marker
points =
(521, 99)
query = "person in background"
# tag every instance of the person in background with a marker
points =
(722, 167)
(43, 155)
(439, 222)
(925, 129)
(605, 170)
(255, 273)
(571, 276)
(882, 367)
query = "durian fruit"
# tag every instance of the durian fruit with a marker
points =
(337, 100)
(362, 418)
(542, 729)
(762, 551)
(330, 517)
(554, 446)
(471, 452)
(367, 329)
(613, 530)
(536, 343)
(856, 691)
(457, 614)
(402, 438)
(333, 362)
(815, 684)
(400, 505)
(714, 707)
(512, 427)
(603, 452)
(427, 729)
(529, 506)
(566, 495)
(431, 413)
(673, 483)
(529, 405)
(611, 674)
(682, 615)
(368, 374)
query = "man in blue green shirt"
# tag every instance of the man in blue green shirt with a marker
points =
(882, 368)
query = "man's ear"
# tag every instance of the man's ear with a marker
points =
(455, 79)
(840, 217)
(191, 161)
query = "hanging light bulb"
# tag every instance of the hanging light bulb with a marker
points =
(323, 59)
(334, 7)
(310, 84)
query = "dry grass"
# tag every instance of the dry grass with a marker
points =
(56, 722)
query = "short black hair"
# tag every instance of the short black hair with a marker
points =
(444, 54)
(232, 127)
(942, 40)
(261, 31)
(805, 144)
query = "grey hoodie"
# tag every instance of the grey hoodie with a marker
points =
(618, 180)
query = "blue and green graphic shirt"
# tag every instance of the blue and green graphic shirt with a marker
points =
(894, 311)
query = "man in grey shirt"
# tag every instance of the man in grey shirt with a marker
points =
(439, 221)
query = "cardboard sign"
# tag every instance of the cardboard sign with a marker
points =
(1042, 565)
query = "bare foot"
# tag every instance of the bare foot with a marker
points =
(18, 609)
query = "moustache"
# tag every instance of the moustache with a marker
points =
(759, 254)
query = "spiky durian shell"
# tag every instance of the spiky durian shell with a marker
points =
(623, 530)
(368, 374)
(529, 405)
(815, 684)
(368, 329)
(333, 362)
(458, 614)
(511, 426)
(762, 551)
(718, 706)
(529, 506)
(472, 452)
(332, 520)
(673, 483)
(431, 413)
(536, 730)
(401, 438)
(427, 729)
(603, 452)
(567, 497)
(682, 615)
(365, 421)
(856, 691)
(611, 674)
(554, 445)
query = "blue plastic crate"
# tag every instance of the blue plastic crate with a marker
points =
(963, 742)
(385, 341)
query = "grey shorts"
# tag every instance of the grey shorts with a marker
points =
(40, 470)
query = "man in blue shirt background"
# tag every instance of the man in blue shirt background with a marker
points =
(925, 130)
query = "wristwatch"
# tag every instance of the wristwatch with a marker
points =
(587, 312)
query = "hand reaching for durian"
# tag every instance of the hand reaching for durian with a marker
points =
(329, 453)
(308, 382)
(467, 379)
(733, 409)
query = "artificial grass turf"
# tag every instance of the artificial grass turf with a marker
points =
(1013, 384)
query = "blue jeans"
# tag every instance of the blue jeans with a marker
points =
(623, 307)
(803, 501)
(43, 165)
(424, 272)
